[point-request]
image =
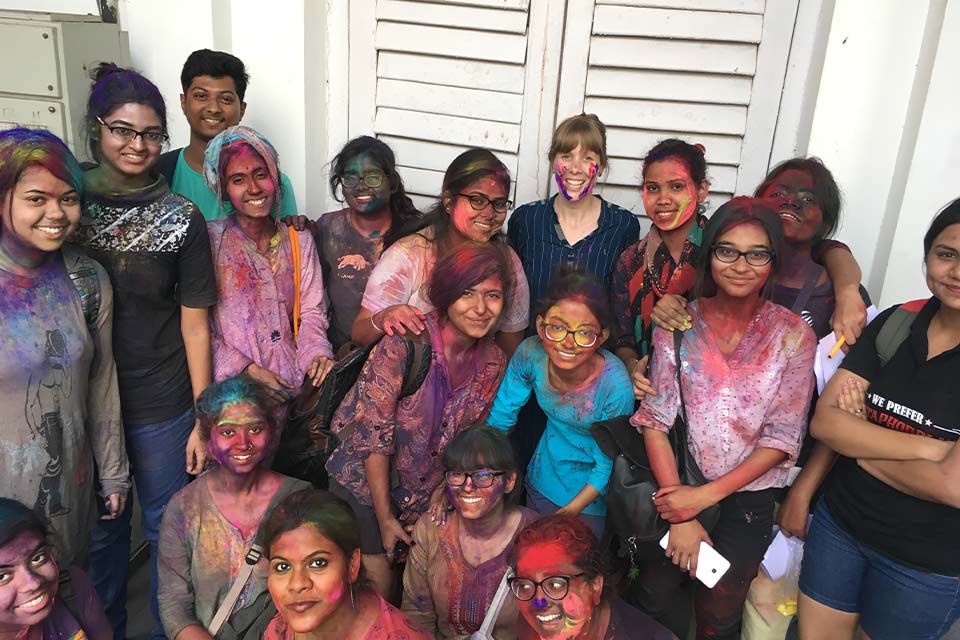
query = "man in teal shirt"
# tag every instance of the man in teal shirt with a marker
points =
(214, 84)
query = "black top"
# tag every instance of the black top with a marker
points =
(913, 395)
(155, 247)
(628, 623)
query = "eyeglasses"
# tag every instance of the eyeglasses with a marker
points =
(126, 134)
(372, 180)
(558, 333)
(754, 258)
(554, 587)
(480, 202)
(481, 479)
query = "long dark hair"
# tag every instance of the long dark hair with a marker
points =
(467, 168)
(737, 211)
(403, 212)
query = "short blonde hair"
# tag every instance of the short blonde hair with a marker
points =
(585, 130)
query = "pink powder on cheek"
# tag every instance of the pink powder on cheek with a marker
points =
(337, 593)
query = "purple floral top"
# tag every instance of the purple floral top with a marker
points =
(252, 321)
(415, 430)
(757, 397)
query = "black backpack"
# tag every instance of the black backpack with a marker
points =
(307, 441)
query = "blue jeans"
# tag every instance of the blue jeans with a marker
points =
(158, 461)
(542, 505)
(895, 602)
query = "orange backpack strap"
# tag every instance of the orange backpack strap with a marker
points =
(295, 249)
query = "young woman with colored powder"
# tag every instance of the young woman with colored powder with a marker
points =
(35, 602)
(351, 240)
(252, 324)
(576, 384)
(209, 526)
(472, 208)
(560, 586)
(154, 245)
(454, 570)
(654, 277)
(575, 227)
(316, 579)
(882, 550)
(58, 380)
(747, 385)
(388, 463)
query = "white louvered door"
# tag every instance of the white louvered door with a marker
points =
(707, 71)
(432, 78)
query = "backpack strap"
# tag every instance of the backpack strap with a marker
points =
(295, 250)
(895, 330)
(417, 367)
(243, 576)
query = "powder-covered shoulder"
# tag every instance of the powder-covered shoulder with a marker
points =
(797, 329)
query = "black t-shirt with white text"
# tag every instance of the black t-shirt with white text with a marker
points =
(913, 395)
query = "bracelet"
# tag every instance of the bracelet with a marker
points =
(379, 330)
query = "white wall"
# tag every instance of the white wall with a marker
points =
(872, 97)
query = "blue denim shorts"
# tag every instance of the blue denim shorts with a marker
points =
(895, 602)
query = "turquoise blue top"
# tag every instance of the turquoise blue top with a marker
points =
(567, 457)
(190, 185)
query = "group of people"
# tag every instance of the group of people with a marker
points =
(160, 311)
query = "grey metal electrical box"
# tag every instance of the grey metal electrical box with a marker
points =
(45, 64)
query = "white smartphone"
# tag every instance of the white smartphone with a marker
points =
(710, 565)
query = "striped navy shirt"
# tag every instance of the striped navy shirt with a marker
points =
(535, 234)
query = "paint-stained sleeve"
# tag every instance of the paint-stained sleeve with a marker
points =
(175, 595)
(785, 422)
(228, 361)
(660, 411)
(196, 280)
(396, 275)
(288, 199)
(517, 314)
(616, 396)
(104, 421)
(312, 340)
(515, 388)
(371, 405)
(417, 601)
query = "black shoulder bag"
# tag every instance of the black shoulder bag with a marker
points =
(631, 514)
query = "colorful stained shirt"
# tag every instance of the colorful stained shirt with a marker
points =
(155, 247)
(535, 233)
(403, 275)
(757, 397)
(567, 457)
(645, 272)
(252, 321)
(347, 257)
(445, 594)
(415, 430)
(59, 405)
(200, 554)
(86, 622)
(391, 624)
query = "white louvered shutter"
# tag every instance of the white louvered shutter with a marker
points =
(708, 71)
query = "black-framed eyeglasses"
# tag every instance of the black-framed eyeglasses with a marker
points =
(558, 333)
(754, 257)
(372, 180)
(481, 479)
(554, 587)
(480, 202)
(126, 134)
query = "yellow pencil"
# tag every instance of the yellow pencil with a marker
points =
(836, 347)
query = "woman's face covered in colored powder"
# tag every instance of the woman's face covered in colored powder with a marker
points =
(39, 212)
(360, 196)
(570, 616)
(240, 439)
(478, 309)
(581, 327)
(576, 172)
(670, 196)
(800, 213)
(249, 186)
(309, 577)
(28, 581)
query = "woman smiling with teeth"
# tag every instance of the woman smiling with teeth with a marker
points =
(576, 384)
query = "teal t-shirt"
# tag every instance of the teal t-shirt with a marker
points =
(191, 185)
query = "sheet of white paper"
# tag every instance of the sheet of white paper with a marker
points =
(823, 365)
(777, 557)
